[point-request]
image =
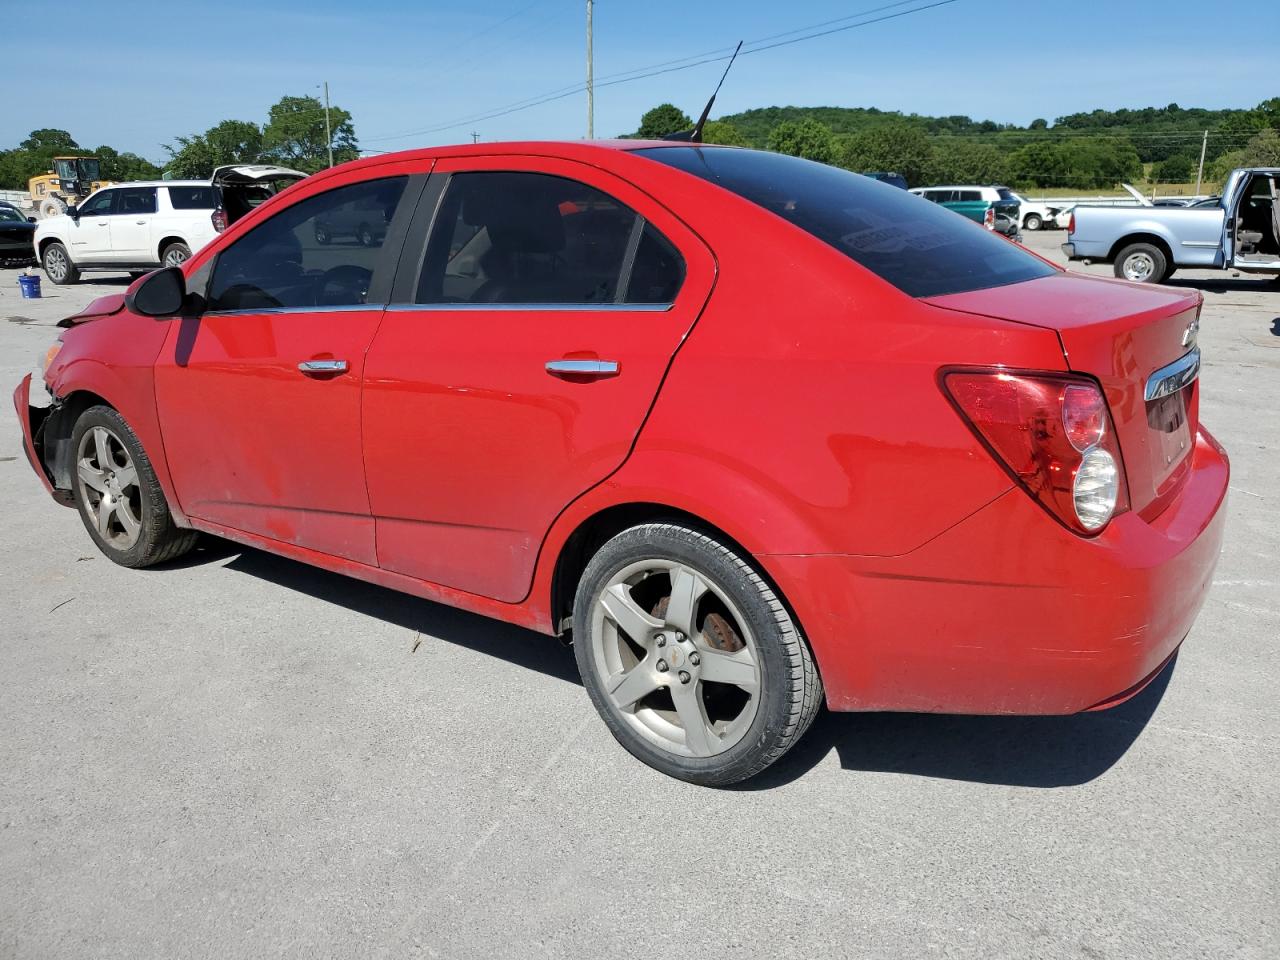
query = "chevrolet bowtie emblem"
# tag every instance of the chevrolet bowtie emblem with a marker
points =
(1191, 333)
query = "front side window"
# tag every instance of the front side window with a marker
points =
(918, 247)
(99, 204)
(286, 263)
(531, 238)
(135, 200)
(192, 198)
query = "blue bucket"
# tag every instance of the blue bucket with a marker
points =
(30, 285)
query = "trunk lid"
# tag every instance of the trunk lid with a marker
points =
(1120, 333)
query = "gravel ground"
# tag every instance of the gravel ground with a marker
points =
(241, 756)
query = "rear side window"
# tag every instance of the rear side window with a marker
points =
(192, 198)
(132, 200)
(922, 249)
(530, 238)
(290, 261)
(969, 196)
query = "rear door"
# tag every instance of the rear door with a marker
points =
(259, 397)
(525, 346)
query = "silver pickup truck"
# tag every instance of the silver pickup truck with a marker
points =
(1241, 231)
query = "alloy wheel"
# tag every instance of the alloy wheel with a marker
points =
(109, 489)
(174, 257)
(1139, 267)
(55, 264)
(675, 657)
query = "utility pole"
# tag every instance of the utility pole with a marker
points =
(328, 133)
(1204, 145)
(591, 88)
(475, 137)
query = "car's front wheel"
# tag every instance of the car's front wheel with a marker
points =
(57, 264)
(1141, 263)
(1033, 222)
(690, 656)
(118, 495)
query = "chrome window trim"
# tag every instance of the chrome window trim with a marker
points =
(1169, 379)
(536, 307)
(340, 308)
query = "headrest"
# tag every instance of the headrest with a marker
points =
(524, 221)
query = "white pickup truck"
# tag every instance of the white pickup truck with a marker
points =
(1147, 243)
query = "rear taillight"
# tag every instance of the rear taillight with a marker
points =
(219, 219)
(989, 218)
(1071, 223)
(1054, 436)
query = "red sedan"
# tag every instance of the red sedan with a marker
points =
(761, 433)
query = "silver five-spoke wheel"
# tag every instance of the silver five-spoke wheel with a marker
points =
(109, 487)
(1139, 267)
(676, 657)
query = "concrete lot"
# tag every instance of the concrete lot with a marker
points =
(240, 756)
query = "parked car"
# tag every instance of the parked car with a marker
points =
(1034, 215)
(140, 226)
(16, 232)
(1240, 232)
(979, 204)
(894, 179)
(758, 433)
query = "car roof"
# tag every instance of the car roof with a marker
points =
(158, 183)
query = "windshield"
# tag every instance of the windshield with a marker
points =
(10, 215)
(90, 168)
(66, 169)
(921, 248)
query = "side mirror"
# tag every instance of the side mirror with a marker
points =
(159, 294)
(31, 219)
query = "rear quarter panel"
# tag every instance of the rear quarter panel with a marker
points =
(1193, 236)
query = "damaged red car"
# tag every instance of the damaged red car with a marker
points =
(761, 434)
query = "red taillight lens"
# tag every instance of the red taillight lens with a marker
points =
(1071, 223)
(219, 219)
(1053, 434)
(989, 218)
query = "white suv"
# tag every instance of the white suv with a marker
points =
(131, 226)
(137, 227)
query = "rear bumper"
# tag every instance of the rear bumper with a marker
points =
(1010, 613)
(31, 418)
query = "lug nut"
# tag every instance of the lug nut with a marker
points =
(684, 676)
(661, 639)
(679, 637)
(695, 659)
(662, 666)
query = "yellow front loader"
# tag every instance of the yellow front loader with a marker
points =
(70, 181)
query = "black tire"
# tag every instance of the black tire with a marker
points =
(789, 691)
(58, 266)
(175, 254)
(159, 539)
(322, 235)
(1033, 222)
(1141, 263)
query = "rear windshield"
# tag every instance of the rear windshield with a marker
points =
(921, 248)
(193, 198)
(1007, 194)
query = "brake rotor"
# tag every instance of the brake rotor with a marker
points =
(717, 630)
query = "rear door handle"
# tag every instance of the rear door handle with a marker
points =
(583, 368)
(310, 367)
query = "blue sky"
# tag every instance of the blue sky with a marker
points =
(152, 71)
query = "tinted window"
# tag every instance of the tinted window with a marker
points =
(192, 198)
(1007, 194)
(969, 196)
(98, 204)
(10, 215)
(135, 200)
(920, 248)
(283, 263)
(521, 238)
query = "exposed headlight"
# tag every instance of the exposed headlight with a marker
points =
(46, 360)
(1095, 489)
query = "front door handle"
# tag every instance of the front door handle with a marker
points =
(593, 369)
(312, 367)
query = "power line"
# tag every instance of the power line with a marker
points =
(642, 73)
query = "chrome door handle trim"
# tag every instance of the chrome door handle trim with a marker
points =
(141, 223)
(1169, 380)
(584, 368)
(323, 366)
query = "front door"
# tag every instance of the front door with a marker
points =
(259, 397)
(89, 233)
(520, 362)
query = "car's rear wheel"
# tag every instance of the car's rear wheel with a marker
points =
(118, 495)
(175, 254)
(1141, 263)
(1033, 222)
(690, 656)
(57, 264)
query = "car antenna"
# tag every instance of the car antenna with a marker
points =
(695, 135)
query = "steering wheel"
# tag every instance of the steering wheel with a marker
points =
(344, 286)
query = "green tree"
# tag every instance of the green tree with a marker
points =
(51, 141)
(956, 160)
(1262, 151)
(804, 138)
(295, 134)
(1269, 110)
(898, 147)
(231, 141)
(1180, 168)
(1039, 124)
(723, 133)
(122, 167)
(664, 119)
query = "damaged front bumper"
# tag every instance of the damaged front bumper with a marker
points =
(34, 420)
